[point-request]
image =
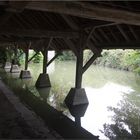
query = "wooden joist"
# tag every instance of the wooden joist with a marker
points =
(39, 33)
(123, 33)
(86, 10)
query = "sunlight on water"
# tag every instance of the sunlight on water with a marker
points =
(99, 100)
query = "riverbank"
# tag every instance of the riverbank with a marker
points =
(17, 121)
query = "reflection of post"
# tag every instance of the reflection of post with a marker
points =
(78, 121)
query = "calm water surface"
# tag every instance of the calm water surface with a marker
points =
(114, 97)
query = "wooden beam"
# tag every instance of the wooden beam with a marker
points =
(33, 57)
(39, 33)
(114, 36)
(4, 18)
(71, 45)
(123, 33)
(70, 22)
(121, 45)
(133, 32)
(87, 10)
(90, 61)
(97, 36)
(46, 45)
(104, 35)
(53, 58)
(16, 6)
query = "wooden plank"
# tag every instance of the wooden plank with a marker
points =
(121, 45)
(87, 10)
(33, 57)
(39, 33)
(53, 58)
(123, 33)
(104, 35)
(70, 22)
(46, 45)
(4, 18)
(90, 61)
(133, 32)
(114, 36)
(71, 45)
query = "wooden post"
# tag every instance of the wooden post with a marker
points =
(26, 58)
(45, 59)
(79, 63)
(79, 66)
(78, 121)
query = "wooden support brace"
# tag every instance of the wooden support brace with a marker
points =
(123, 33)
(53, 58)
(33, 57)
(46, 45)
(20, 55)
(90, 61)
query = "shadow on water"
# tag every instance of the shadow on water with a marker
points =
(54, 119)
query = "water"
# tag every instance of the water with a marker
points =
(114, 97)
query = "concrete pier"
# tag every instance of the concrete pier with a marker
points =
(14, 69)
(43, 81)
(25, 74)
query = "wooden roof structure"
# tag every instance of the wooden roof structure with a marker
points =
(104, 24)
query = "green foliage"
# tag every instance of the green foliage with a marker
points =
(66, 55)
(37, 58)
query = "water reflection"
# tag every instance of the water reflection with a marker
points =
(114, 97)
(126, 119)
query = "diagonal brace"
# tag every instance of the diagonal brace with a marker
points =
(59, 53)
(33, 57)
(90, 61)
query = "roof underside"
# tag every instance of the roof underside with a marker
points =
(105, 24)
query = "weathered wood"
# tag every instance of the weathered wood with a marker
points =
(120, 45)
(90, 61)
(105, 36)
(39, 33)
(123, 33)
(45, 53)
(79, 65)
(26, 50)
(133, 32)
(70, 22)
(4, 18)
(90, 11)
(33, 57)
(97, 36)
(26, 58)
(114, 36)
(53, 58)
(71, 45)
(16, 6)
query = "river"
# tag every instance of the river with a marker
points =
(114, 97)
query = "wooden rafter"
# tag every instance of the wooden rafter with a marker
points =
(70, 22)
(114, 36)
(90, 11)
(123, 32)
(39, 33)
(104, 35)
(133, 32)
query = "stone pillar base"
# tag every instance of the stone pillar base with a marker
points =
(25, 74)
(15, 69)
(43, 81)
(77, 102)
(7, 65)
